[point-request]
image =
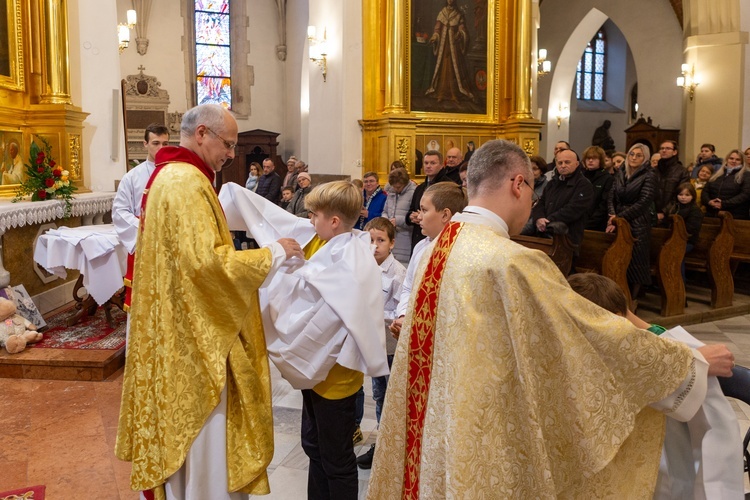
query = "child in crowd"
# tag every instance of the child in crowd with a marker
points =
(383, 234)
(704, 174)
(438, 204)
(701, 458)
(686, 206)
(286, 197)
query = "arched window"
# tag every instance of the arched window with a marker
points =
(590, 80)
(218, 63)
(213, 57)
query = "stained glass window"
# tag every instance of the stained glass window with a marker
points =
(213, 66)
(590, 75)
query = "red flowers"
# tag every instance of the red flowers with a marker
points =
(41, 194)
(57, 172)
(49, 182)
(40, 169)
(52, 164)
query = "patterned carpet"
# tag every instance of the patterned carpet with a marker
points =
(91, 333)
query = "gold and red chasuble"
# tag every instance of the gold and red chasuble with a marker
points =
(420, 354)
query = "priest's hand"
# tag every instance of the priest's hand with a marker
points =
(720, 359)
(291, 248)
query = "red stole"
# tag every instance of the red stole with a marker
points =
(421, 344)
(166, 155)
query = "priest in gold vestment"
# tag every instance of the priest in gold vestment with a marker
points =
(196, 418)
(507, 384)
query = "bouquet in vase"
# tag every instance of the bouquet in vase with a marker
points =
(45, 179)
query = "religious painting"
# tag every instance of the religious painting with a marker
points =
(12, 168)
(11, 45)
(449, 49)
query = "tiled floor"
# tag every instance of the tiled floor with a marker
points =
(61, 434)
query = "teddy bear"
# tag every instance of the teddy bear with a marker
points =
(15, 331)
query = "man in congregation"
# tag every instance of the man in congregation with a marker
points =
(195, 419)
(496, 388)
(432, 166)
(567, 199)
(670, 174)
(269, 184)
(453, 161)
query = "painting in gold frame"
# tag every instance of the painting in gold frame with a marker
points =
(449, 56)
(12, 168)
(11, 45)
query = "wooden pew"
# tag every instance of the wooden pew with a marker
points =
(712, 255)
(608, 254)
(558, 248)
(667, 250)
(741, 248)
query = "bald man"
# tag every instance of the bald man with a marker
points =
(453, 160)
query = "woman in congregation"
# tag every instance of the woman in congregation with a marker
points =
(297, 204)
(252, 179)
(729, 188)
(374, 200)
(632, 198)
(397, 209)
(699, 182)
(594, 169)
(539, 168)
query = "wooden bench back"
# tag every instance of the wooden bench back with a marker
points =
(559, 248)
(712, 254)
(608, 254)
(667, 246)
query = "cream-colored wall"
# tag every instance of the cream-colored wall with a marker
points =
(655, 39)
(334, 140)
(94, 74)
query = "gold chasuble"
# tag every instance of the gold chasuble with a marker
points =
(195, 327)
(508, 384)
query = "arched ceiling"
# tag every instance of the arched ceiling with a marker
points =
(676, 5)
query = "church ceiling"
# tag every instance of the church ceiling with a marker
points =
(676, 6)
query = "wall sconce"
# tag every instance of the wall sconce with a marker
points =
(688, 80)
(563, 113)
(318, 50)
(123, 31)
(543, 66)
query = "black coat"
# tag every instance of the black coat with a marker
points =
(416, 231)
(602, 182)
(269, 187)
(633, 200)
(735, 198)
(670, 174)
(566, 200)
(693, 217)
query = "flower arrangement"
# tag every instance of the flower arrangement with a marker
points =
(45, 179)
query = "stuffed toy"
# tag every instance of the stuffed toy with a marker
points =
(15, 331)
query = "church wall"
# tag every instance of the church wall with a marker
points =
(334, 142)
(94, 74)
(745, 26)
(655, 40)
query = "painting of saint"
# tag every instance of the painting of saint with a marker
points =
(12, 169)
(449, 62)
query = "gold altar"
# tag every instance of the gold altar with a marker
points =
(441, 75)
(35, 89)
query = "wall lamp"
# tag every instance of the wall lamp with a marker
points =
(543, 66)
(688, 80)
(123, 31)
(563, 113)
(318, 48)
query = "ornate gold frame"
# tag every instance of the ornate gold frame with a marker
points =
(14, 81)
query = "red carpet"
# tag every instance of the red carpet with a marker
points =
(30, 493)
(91, 333)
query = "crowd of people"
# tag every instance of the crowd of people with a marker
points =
(477, 394)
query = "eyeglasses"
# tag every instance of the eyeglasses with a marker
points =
(227, 144)
(633, 154)
(534, 196)
(667, 148)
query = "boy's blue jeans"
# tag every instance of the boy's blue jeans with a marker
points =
(379, 385)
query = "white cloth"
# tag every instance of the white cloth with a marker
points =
(126, 207)
(702, 458)
(416, 255)
(93, 250)
(319, 312)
